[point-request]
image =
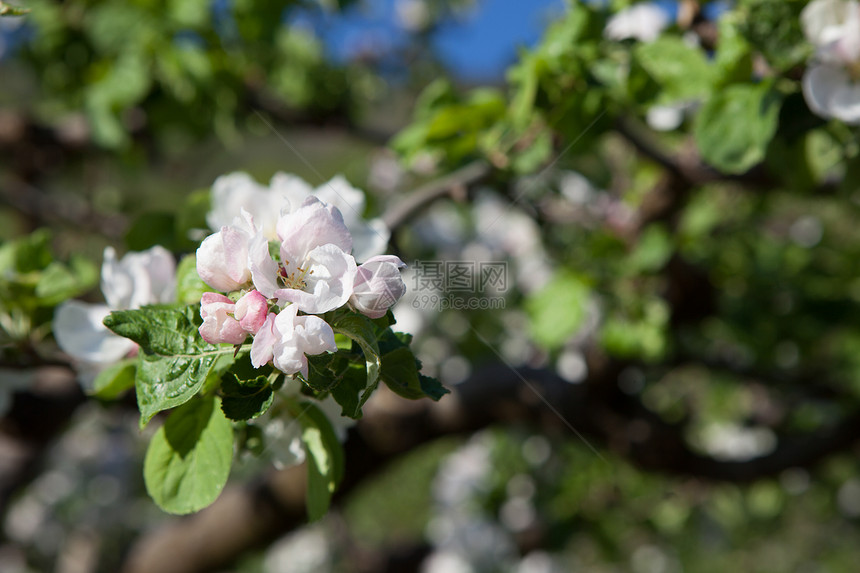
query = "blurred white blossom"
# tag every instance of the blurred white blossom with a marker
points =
(138, 279)
(831, 84)
(236, 191)
(643, 22)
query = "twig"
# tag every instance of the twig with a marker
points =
(448, 186)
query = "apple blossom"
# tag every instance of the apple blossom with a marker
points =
(316, 271)
(236, 191)
(286, 338)
(222, 258)
(283, 433)
(831, 83)
(378, 285)
(300, 336)
(219, 324)
(369, 237)
(138, 279)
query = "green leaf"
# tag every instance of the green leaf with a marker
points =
(682, 70)
(735, 126)
(733, 59)
(557, 311)
(525, 76)
(390, 340)
(174, 360)
(27, 254)
(59, 282)
(641, 336)
(188, 460)
(652, 251)
(325, 459)
(113, 381)
(189, 286)
(121, 84)
(535, 155)
(349, 392)
(400, 372)
(244, 400)
(361, 330)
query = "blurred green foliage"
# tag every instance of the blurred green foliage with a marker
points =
(716, 261)
(178, 70)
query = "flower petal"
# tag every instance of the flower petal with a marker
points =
(264, 269)
(643, 22)
(80, 333)
(262, 349)
(117, 285)
(230, 194)
(312, 225)
(338, 192)
(300, 335)
(822, 19)
(222, 259)
(369, 238)
(316, 335)
(830, 93)
(329, 281)
(378, 285)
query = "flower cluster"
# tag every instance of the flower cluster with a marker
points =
(831, 84)
(135, 280)
(236, 191)
(280, 286)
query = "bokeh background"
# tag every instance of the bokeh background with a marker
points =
(667, 381)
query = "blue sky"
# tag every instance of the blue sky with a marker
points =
(479, 48)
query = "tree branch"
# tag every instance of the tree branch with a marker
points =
(689, 168)
(455, 184)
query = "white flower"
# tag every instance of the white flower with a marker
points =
(283, 433)
(147, 277)
(665, 117)
(286, 193)
(831, 84)
(413, 15)
(316, 271)
(300, 336)
(369, 237)
(286, 339)
(237, 191)
(643, 22)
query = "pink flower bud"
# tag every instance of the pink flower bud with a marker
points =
(378, 285)
(222, 259)
(251, 311)
(218, 324)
